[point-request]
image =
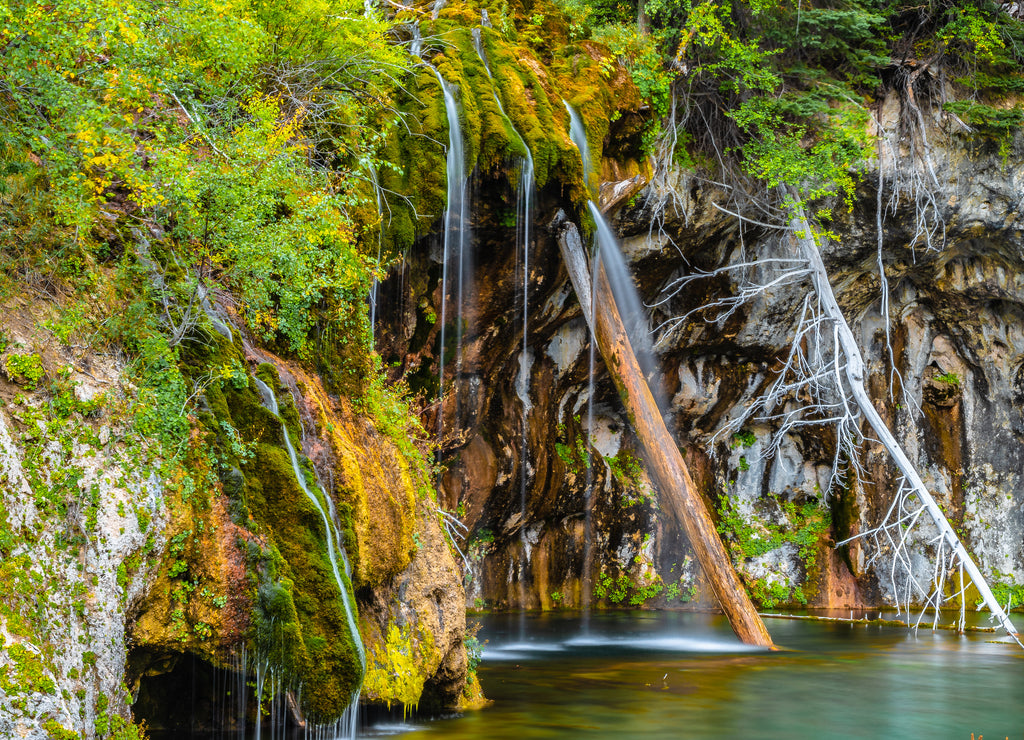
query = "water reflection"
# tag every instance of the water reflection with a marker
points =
(661, 675)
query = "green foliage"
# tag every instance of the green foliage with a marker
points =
(777, 151)
(641, 54)
(629, 472)
(484, 536)
(123, 729)
(572, 450)
(999, 124)
(1006, 590)
(57, 731)
(771, 94)
(679, 591)
(474, 652)
(743, 438)
(183, 124)
(25, 369)
(622, 588)
(646, 591)
(154, 154)
(949, 378)
(850, 41)
(974, 35)
(749, 537)
(388, 405)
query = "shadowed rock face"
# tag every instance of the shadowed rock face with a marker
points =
(954, 362)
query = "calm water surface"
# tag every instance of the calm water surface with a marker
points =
(683, 675)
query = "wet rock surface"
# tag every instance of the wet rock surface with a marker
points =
(945, 371)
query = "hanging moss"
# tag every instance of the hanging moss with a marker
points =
(531, 86)
(293, 617)
(394, 672)
(317, 648)
(540, 118)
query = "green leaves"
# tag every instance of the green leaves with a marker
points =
(800, 139)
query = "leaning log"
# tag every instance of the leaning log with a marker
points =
(802, 233)
(665, 462)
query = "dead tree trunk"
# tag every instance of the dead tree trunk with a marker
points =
(854, 376)
(665, 462)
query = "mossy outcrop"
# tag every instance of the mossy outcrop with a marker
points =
(257, 547)
(531, 84)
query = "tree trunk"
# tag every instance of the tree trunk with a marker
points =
(855, 379)
(643, 21)
(678, 492)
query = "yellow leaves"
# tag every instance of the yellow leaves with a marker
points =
(129, 34)
(105, 159)
(262, 320)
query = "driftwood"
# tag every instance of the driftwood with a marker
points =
(665, 462)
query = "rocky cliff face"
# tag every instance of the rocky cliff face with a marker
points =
(138, 579)
(82, 529)
(948, 379)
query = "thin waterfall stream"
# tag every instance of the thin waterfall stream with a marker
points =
(456, 238)
(578, 136)
(637, 327)
(524, 212)
(346, 726)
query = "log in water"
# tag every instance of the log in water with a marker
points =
(678, 492)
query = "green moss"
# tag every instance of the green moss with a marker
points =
(805, 526)
(394, 671)
(536, 111)
(301, 621)
(531, 88)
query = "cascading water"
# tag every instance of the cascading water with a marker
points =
(524, 213)
(578, 136)
(637, 326)
(627, 297)
(375, 288)
(416, 44)
(455, 236)
(523, 210)
(346, 726)
(631, 307)
(478, 44)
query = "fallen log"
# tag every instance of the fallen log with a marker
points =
(679, 495)
(803, 234)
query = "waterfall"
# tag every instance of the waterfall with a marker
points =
(626, 295)
(631, 307)
(636, 323)
(346, 726)
(375, 289)
(455, 235)
(578, 135)
(524, 213)
(523, 208)
(416, 44)
(478, 44)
